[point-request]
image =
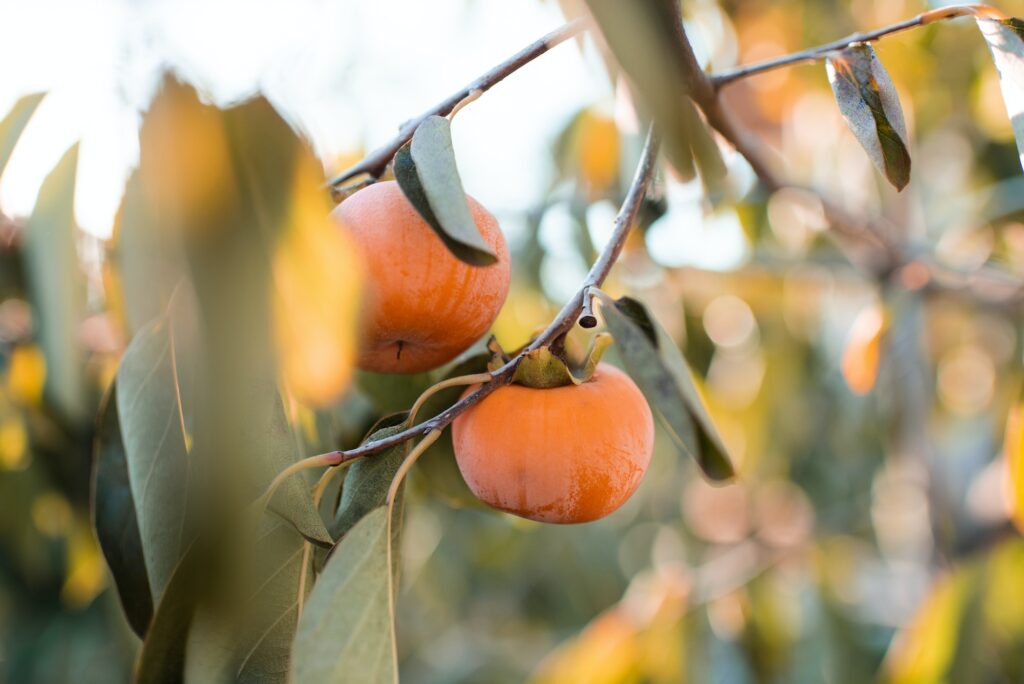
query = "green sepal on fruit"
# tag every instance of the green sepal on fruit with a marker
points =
(543, 368)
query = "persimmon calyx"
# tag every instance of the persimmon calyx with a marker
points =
(543, 369)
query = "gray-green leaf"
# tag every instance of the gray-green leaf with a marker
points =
(153, 429)
(57, 287)
(14, 123)
(346, 633)
(871, 107)
(654, 361)
(114, 517)
(425, 170)
(367, 482)
(1006, 41)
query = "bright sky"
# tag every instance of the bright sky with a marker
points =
(346, 72)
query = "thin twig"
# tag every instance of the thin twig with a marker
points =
(562, 323)
(722, 79)
(375, 163)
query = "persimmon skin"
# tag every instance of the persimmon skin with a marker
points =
(424, 307)
(569, 454)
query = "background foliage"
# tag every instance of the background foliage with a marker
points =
(869, 535)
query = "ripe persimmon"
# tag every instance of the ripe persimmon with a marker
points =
(567, 454)
(424, 306)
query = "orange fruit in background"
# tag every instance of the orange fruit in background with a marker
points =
(424, 307)
(568, 454)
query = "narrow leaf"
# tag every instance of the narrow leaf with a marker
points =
(367, 482)
(346, 633)
(57, 287)
(1006, 41)
(654, 361)
(152, 423)
(871, 107)
(425, 170)
(114, 517)
(14, 123)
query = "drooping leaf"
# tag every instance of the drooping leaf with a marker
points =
(114, 517)
(1006, 40)
(644, 37)
(871, 107)
(346, 633)
(367, 482)
(274, 450)
(654, 361)
(14, 123)
(152, 419)
(57, 287)
(425, 170)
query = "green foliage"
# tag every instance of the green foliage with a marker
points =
(347, 631)
(655, 362)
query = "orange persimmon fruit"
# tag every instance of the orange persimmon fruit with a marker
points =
(567, 454)
(424, 306)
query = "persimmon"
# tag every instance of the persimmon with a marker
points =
(568, 454)
(424, 306)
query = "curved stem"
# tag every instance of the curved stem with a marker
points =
(814, 54)
(319, 461)
(476, 378)
(408, 463)
(377, 161)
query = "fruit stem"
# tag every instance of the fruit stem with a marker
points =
(408, 463)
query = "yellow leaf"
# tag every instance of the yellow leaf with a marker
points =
(863, 350)
(1013, 446)
(597, 151)
(317, 295)
(26, 374)
(86, 571)
(923, 652)
(13, 445)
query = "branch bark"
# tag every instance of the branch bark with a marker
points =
(375, 163)
(815, 54)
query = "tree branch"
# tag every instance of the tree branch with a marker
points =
(815, 54)
(375, 163)
(558, 327)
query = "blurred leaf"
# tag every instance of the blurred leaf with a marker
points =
(58, 287)
(14, 123)
(162, 657)
(654, 361)
(924, 651)
(347, 630)
(1013, 448)
(367, 482)
(871, 107)
(317, 294)
(862, 354)
(1006, 40)
(274, 449)
(152, 420)
(250, 640)
(147, 253)
(643, 36)
(115, 519)
(425, 170)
